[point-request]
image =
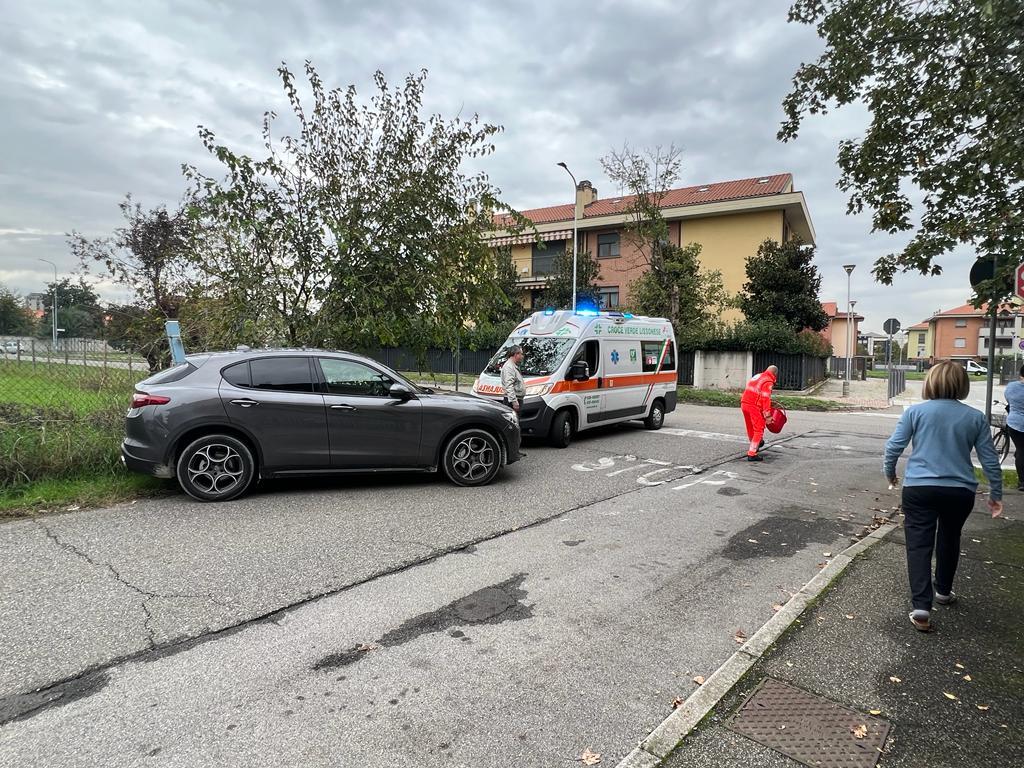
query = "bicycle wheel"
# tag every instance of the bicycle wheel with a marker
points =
(1001, 440)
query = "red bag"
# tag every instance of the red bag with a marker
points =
(778, 419)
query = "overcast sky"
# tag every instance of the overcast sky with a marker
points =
(103, 98)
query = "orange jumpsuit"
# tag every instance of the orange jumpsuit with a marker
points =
(756, 404)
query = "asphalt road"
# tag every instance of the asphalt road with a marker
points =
(395, 622)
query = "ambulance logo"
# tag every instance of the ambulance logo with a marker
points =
(615, 357)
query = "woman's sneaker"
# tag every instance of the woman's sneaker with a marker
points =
(921, 620)
(945, 599)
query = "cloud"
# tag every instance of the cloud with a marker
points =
(102, 99)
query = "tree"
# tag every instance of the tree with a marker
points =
(14, 318)
(673, 286)
(151, 255)
(558, 285)
(782, 282)
(79, 314)
(943, 81)
(361, 226)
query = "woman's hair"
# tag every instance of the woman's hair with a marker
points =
(946, 381)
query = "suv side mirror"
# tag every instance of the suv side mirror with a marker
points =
(400, 392)
(578, 371)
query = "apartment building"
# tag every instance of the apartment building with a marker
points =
(962, 333)
(837, 332)
(728, 219)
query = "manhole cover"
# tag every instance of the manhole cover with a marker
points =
(810, 729)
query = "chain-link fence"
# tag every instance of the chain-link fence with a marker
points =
(62, 406)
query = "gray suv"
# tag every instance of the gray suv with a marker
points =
(220, 420)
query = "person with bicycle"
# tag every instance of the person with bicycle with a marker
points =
(939, 483)
(1015, 423)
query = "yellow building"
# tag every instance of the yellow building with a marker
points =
(729, 220)
(920, 341)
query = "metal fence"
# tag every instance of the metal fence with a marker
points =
(897, 382)
(796, 372)
(858, 369)
(687, 361)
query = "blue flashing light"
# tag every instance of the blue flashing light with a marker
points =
(628, 315)
(587, 309)
(549, 311)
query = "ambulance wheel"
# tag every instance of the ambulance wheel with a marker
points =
(656, 417)
(561, 430)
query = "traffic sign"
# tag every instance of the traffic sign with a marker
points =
(891, 326)
(1018, 281)
(1021, 344)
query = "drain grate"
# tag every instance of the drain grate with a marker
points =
(808, 728)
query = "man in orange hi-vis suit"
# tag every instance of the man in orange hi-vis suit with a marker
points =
(756, 405)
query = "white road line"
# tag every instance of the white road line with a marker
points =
(700, 434)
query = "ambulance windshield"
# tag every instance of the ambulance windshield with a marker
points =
(540, 356)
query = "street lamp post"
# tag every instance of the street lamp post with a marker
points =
(53, 309)
(849, 308)
(574, 226)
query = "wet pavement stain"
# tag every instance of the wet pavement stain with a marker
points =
(573, 542)
(491, 605)
(781, 537)
(731, 492)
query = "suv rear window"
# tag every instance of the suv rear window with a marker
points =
(237, 374)
(283, 374)
(170, 375)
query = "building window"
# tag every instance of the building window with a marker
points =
(959, 343)
(608, 245)
(608, 296)
(962, 323)
(544, 258)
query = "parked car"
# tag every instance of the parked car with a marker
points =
(13, 347)
(221, 420)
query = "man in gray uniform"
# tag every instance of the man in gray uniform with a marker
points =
(512, 380)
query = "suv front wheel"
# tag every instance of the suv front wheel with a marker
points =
(215, 468)
(472, 457)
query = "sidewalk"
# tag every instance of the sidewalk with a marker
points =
(871, 393)
(953, 698)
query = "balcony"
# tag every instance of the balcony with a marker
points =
(1001, 333)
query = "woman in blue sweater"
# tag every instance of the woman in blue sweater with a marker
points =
(939, 484)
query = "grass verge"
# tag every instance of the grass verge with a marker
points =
(1010, 479)
(91, 491)
(880, 373)
(732, 400)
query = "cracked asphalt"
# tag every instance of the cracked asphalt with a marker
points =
(403, 621)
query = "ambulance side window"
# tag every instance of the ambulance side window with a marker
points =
(651, 351)
(590, 353)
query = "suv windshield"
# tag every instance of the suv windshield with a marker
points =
(540, 356)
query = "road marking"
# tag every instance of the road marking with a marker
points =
(700, 434)
(718, 477)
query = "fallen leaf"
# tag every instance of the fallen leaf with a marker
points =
(789, 663)
(699, 680)
(752, 541)
(849, 615)
(860, 731)
(740, 637)
(895, 680)
(766, 533)
(826, 554)
(677, 702)
(950, 696)
(364, 647)
(982, 707)
(776, 607)
(976, 541)
(958, 665)
(73, 508)
(967, 678)
(874, 711)
(590, 758)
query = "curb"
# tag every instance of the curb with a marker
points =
(674, 728)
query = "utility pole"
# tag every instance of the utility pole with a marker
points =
(846, 382)
(53, 309)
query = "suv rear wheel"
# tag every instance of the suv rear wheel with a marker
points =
(471, 457)
(215, 468)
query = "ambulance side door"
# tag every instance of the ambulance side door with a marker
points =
(590, 392)
(623, 393)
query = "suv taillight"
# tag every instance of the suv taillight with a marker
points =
(141, 400)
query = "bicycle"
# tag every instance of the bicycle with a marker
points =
(1000, 434)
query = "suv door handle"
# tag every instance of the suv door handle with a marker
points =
(245, 402)
(343, 407)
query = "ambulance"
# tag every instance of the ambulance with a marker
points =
(586, 369)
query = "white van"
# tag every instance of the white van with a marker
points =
(585, 369)
(976, 368)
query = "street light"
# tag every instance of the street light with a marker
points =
(574, 218)
(849, 309)
(53, 310)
